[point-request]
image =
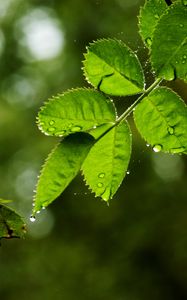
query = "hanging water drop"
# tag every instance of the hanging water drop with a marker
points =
(181, 25)
(157, 148)
(128, 172)
(32, 218)
(38, 212)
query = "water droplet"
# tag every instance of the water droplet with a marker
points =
(32, 218)
(184, 56)
(170, 130)
(52, 122)
(148, 41)
(43, 207)
(33, 204)
(181, 25)
(60, 133)
(76, 128)
(176, 62)
(51, 129)
(101, 175)
(147, 145)
(38, 212)
(157, 148)
(100, 184)
(183, 62)
(184, 2)
(128, 172)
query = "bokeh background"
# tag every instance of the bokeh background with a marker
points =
(79, 248)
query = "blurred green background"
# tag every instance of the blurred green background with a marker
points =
(79, 248)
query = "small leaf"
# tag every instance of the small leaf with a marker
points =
(161, 119)
(106, 164)
(78, 110)
(11, 224)
(169, 46)
(113, 68)
(150, 14)
(61, 166)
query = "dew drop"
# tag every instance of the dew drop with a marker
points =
(60, 133)
(170, 130)
(128, 172)
(184, 56)
(157, 148)
(76, 128)
(148, 41)
(183, 62)
(33, 204)
(43, 207)
(32, 218)
(51, 123)
(51, 129)
(100, 184)
(101, 175)
(181, 25)
(147, 145)
(38, 212)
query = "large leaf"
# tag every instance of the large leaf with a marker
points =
(74, 111)
(11, 224)
(107, 162)
(169, 46)
(61, 166)
(161, 119)
(113, 68)
(150, 14)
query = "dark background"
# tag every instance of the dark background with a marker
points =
(79, 248)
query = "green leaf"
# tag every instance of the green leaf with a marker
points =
(113, 68)
(61, 166)
(150, 14)
(169, 46)
(78, 110)
(161, 119)
(11, 224)
(107, 162)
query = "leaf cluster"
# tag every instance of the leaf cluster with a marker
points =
(93, 138)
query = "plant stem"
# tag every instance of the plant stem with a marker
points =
(130, 108)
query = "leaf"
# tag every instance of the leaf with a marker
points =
(161, 119)
(61, 166)
(169, 46)
(75, 111)
(113, 68)
(149, 16)
(11, 224)
(106, 164)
